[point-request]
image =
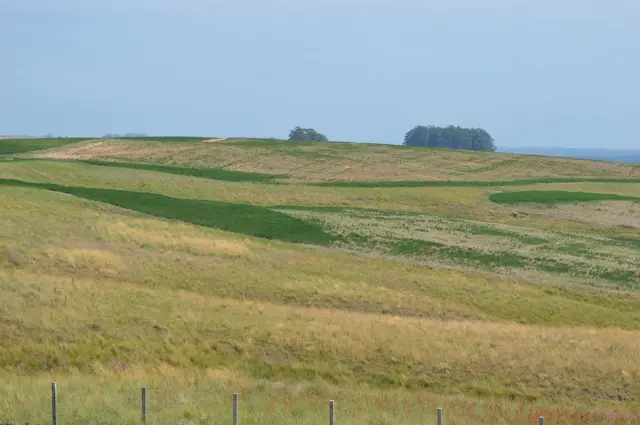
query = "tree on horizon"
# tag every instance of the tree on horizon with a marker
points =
(450, 137)
(300, 133)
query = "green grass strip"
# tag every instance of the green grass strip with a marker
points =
(238, 218)
(16, 146)
(556, 197)
(454, 183)
(209, 173)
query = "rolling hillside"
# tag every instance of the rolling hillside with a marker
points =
(393, 280)
(314, 161)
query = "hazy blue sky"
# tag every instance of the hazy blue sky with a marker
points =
(539, 72)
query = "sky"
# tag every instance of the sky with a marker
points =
(532, 73)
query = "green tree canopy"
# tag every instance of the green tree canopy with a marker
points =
(299, 133)
(450, 137)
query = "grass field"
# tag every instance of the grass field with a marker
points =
(344, 162)
(173, 268)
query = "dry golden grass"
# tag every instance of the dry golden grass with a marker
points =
(152, 233)
(76, 323)
(344, 161)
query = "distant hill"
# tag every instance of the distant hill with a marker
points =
(335, 162)
(630, 156)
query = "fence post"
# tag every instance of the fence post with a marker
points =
(144, 406)
(235, 408)
(332, 418)
(54, 403)
(541, 420)
(439, 416)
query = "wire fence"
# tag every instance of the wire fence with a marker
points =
(235, 409)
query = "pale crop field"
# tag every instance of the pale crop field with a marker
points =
(507, 250)
(343, 161)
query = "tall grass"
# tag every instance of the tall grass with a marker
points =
(59, 325)
(181, 397)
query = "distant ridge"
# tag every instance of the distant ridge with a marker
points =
(629, 156)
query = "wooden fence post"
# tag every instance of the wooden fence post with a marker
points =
(439, 416)
(144, 406)
(235, 408)
(54, 403)
(332, 418)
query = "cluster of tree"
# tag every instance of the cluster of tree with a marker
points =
(300, 133)
(450, 137)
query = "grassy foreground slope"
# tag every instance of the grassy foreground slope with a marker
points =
(400, 300)
(331, 161)
(116, 289)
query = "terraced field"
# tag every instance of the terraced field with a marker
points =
(199, 269)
